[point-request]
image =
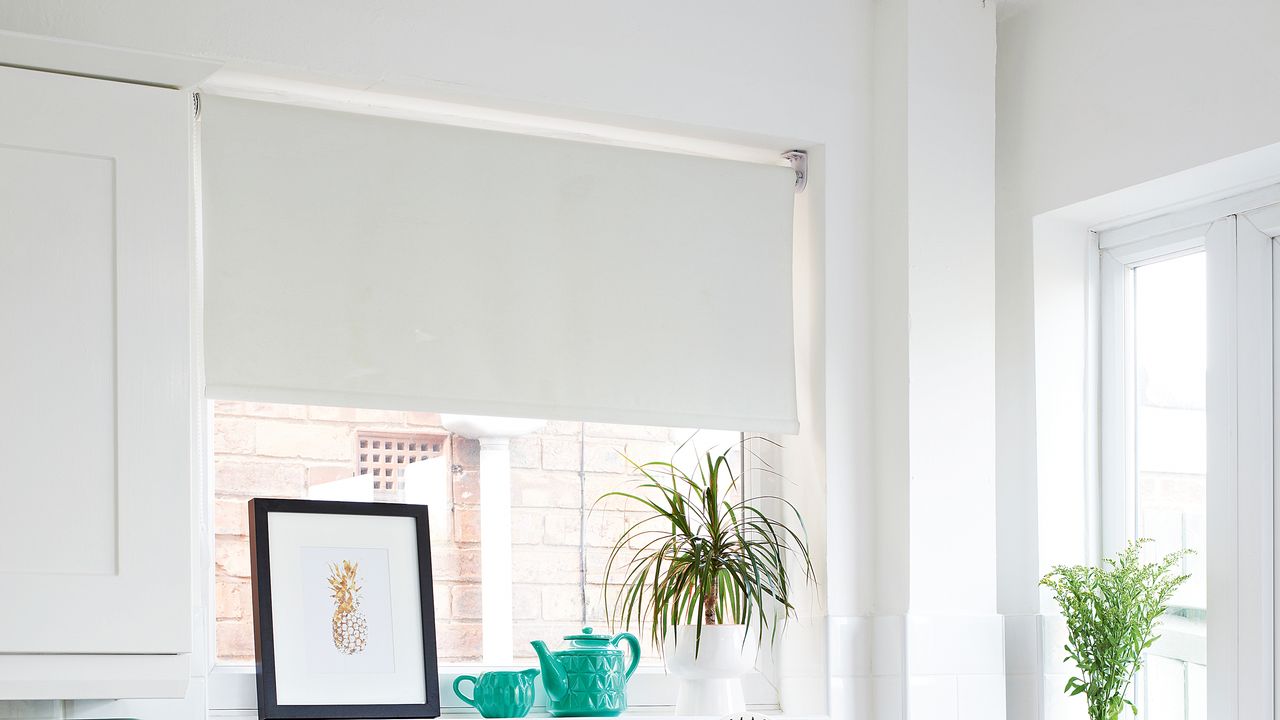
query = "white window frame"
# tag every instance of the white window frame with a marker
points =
(1238, 235)
(230, 689)
(1116, 453)
(1180, 640)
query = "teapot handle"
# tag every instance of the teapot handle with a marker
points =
(456, 691)
(634, 644)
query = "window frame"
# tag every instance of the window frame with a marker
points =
(1118, 264)
(1239, 237)
(231, 689)
(806, 661)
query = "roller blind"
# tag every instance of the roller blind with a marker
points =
(363, 261)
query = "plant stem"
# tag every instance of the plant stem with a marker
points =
(709, 607)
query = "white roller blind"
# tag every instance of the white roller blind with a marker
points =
(372, 262)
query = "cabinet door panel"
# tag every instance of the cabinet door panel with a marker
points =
(95, 391)
(62, 357)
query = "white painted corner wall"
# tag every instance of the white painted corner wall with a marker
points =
(903, 345)
(1105, 108)
(620, 65)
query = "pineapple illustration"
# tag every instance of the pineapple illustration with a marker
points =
(350, 628)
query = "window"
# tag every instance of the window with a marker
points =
(1186, 417)
(559, 541)
(1155, 447)
(1166, 444)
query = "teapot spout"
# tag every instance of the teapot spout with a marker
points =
(554, 677)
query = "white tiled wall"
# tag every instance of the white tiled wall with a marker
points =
(980, 697)
(1036, 670)
(919, 667)
(936, 697)
(1056, 669)
(955, 667)
(849, 645)
(1022, 667)
(959, 645)
(1057, 704)
(1022, 696)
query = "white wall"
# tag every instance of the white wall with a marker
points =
(763, 72)
(950, 266)
(939, 650)
(664, 60)
(1094, 96)
(934, 334)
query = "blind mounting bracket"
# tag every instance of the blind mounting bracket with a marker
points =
(799, 161)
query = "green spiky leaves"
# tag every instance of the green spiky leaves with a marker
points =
(702, 556)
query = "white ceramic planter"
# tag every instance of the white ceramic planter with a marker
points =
(711, 683)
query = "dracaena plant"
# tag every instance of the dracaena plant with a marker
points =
(1112, 613)
(703, 555)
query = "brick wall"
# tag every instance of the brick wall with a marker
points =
(267, 450)
(280, 450)
(546, 496)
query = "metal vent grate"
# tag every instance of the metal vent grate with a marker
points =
(384, 456)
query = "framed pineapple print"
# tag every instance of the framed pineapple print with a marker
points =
(343, 620)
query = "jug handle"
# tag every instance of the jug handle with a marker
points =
(456, 691)
(634, 644)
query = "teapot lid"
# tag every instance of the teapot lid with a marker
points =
(589, 637)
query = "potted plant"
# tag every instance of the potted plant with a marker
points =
(708, 573)
(1111, 614)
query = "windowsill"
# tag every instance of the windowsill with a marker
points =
(233, 694)
(666, 713)
(638, 712)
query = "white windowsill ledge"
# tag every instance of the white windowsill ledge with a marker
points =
(664, 712)
(638, 712)
(232, 693)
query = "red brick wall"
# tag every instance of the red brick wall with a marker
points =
(279, 450)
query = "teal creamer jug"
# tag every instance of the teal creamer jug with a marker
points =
(499, 694)
(588, 678)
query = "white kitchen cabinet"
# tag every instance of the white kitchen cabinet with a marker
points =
(95, 388)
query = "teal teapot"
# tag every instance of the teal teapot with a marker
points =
(588, 678)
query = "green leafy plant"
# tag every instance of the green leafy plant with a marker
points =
(702, 556)
(1111, 614)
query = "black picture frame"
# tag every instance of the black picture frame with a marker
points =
(263, 632)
